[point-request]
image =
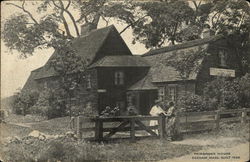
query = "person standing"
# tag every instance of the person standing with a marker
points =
(156, 110)
(172, 125)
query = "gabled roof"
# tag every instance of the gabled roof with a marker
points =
(184, 45)
(87, 47)
(31, 84)
(121, 61)
(144, 84)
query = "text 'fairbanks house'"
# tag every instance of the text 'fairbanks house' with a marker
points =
(116, 77)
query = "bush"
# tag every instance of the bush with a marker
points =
(49, 105)
(191, 102)
(244, 93)
(23, 101)
(231, 94)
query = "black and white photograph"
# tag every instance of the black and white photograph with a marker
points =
(125, 81)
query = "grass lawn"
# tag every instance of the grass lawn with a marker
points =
(68, 149)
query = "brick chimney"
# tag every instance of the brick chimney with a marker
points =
(86, 28)
(207, 32)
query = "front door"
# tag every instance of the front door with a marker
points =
(147, 99)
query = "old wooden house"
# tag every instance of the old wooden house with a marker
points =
(165, 82)
(116, 77)
(111, 69)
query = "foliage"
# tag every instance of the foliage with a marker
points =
(191, 103)
(244, 90)
(26, 31)
(163, 23)
(178, 21)
(68, 149)
(153, 23)
(110, 111)
(187, 62)
(229, 93)
(70, 68)
(49, 105)
(23, 101)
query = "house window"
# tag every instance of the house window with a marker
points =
(172, 92)
(222, 58)
(119, 78)
(45, 84)
(88, 81)
(161, 93)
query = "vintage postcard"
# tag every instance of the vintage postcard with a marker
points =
(125, 80)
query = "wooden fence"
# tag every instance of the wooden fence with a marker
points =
(105, 128)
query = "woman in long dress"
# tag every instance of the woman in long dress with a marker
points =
(172, 125)
(156, 110)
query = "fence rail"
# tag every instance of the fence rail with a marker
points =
(131, 124)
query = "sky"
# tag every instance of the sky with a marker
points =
(15, 71)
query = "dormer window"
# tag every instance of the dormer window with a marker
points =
(119, 78)
(222, 58)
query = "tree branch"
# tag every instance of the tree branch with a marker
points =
(63, 18)
(24, 10)
(133, 23)
(69, 3)
(71, 17)
(107, 22)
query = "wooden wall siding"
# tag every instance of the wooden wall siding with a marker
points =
(113, 45)
(213, 60)
(89, 95)
(181, 88)
(114, 93)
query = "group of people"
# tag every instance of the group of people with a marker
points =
(169, 111)
(172, 120)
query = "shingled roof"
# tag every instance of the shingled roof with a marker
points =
(144, 84)
(86, 46)
(160, 72)
(184, 45)
(31, 84)
(121, 61)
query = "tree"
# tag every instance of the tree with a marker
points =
(164, 22)
(70, 69)
(26, 32)
(178, 21)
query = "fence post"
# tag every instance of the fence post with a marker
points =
(78, 127)
(243, 115)
(162, 127)
(217, 120)
(132, 127)
(98, 129)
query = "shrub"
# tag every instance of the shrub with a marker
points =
(191, 102)
(244, 93)
(49, 105)
(23, 101)
(230, 94)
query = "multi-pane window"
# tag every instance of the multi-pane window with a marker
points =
(172, 92)
(119, 78)
(88, 81)
(161, 93)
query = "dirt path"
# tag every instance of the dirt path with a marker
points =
(26, 125)
(222, 149)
